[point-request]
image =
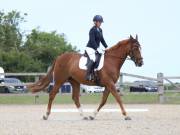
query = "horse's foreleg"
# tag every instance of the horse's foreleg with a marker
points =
(112, 88)
(52, 95)
(103, 101)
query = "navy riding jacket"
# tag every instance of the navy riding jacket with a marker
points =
(95, 37)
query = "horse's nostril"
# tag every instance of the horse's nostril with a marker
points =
(142, 63)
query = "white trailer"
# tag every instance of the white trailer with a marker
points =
(1, 71)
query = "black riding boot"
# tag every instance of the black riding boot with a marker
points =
(90, 68)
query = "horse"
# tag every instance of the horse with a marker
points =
(65, 68)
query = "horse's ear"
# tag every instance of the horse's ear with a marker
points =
(136, 37)
(131, 37)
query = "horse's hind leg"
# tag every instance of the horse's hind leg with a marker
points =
(52, 95)
(76, 95)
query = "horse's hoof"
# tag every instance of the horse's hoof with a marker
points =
(91, 118)
(85, 118)
(128, 118)
(45, 118)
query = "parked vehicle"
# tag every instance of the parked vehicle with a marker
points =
(16, 87)
(92, 89)
(144, 86)
(65, 88)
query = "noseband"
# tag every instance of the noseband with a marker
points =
(132, 55)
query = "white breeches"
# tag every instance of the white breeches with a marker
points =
(91, 52)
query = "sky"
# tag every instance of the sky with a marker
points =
(157, 23)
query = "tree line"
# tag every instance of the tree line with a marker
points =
(33, 52)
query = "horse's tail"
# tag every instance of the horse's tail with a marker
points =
(43, 82)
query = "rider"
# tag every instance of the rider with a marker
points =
(95, 37)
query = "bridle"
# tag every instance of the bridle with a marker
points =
(132, 55)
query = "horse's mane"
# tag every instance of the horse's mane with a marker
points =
(116, 46)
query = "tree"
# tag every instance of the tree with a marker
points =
(10, 33)
(36, 53)
(14, 61)
(45, 47)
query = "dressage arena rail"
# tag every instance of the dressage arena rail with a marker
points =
(159, 79)
(160, 82)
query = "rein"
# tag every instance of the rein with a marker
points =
(132, 57)
(115, 56)
(109, 54)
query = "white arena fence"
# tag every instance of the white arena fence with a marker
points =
(160, 79)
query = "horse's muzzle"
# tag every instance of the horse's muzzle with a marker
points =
(140, 63)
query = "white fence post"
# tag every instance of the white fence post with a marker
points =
(160, 87)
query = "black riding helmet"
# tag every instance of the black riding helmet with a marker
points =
(98, 18)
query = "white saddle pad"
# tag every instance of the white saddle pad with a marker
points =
(83, 61)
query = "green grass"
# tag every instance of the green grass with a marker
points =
(172, 98)
(129, 98)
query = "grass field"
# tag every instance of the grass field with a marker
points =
(128, 98)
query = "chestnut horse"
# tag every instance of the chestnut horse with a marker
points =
(66, 68)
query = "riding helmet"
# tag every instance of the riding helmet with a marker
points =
(98, 18)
